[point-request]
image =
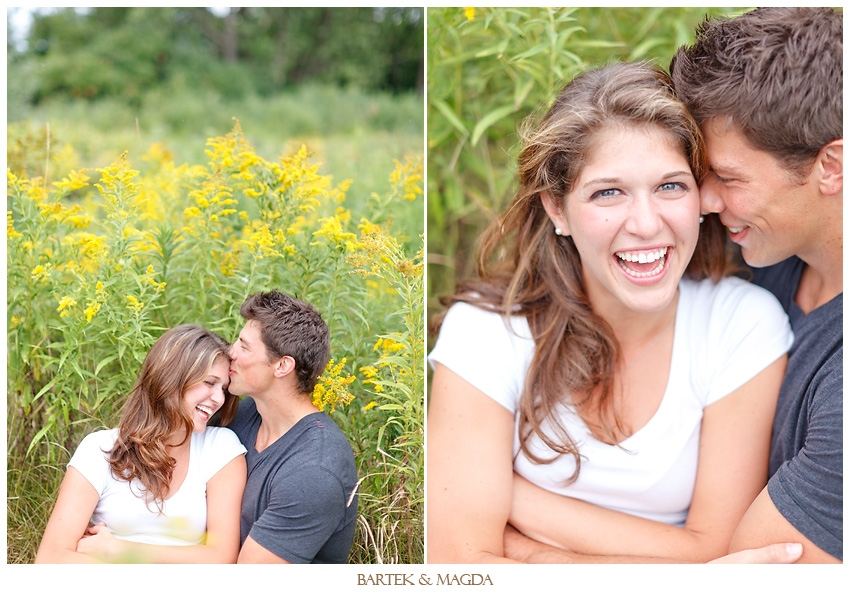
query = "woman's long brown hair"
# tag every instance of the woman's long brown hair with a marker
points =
(181, 358)
(524, 269)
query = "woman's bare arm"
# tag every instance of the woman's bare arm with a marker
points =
(469, 472)
(734, 446)
(74, 506)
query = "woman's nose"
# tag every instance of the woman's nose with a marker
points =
(644, 218)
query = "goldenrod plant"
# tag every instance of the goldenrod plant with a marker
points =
(103, 261)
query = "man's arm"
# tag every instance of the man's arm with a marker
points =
(763, 524)
(520, 547)
(252, 552)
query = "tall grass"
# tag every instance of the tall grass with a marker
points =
(103, 256)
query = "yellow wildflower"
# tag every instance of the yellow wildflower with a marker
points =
(91, 310)
(73, 181)
(65, 306)
(469, 12)
(332, 231)
(135, 304)
(331, 389)
(10, 227)
(41, 272)
(117, 183)
(406, 176)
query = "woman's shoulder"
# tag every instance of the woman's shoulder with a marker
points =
(218, 438)
(728, 294)
(100, 439)
(217, 434)
(733, 312)
(481, 319)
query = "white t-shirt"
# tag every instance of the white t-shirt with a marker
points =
(725, 334)
(122, 505)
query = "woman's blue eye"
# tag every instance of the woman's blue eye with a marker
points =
(671, 186)
(607, 193)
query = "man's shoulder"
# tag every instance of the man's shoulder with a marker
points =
(781, 279)
(324, 440)
(321, 452)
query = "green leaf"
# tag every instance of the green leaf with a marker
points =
(488, 120)
(47, 387)
(38, 437)
(103, 363)
(447, 112)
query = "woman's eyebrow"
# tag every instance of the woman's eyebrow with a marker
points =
(601, 181)
(675, 174)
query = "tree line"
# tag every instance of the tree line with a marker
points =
(126, 51)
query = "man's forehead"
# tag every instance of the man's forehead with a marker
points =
(250, 331)
(726, 145)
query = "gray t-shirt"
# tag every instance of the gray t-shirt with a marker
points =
(806, 451)
(300, 500)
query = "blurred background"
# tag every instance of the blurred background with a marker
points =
(490, 68)
(347, 82)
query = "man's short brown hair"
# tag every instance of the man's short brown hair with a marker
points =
(776, 74)
(291, 327)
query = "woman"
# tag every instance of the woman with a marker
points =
(163, 486)
(634, 405)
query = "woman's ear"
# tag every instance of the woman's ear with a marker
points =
(830, 168)
(553, 210)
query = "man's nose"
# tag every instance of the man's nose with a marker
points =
(710, 200)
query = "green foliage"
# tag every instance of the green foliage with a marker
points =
(488, 73)
(103, 260)
(125, 52)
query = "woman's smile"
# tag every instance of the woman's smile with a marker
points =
(633, 214)
(644, 267)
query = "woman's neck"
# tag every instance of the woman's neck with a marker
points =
(639, 330)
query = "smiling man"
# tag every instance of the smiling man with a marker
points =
(300, 504)
(766, 88)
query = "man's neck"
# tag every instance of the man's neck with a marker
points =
(279, 413)
(823, 275)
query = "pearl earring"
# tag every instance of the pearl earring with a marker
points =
(557, 231)
(701, 219)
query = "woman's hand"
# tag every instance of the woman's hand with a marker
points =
(99, 542)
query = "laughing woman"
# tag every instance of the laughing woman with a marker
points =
(602, 386)
(163, 487)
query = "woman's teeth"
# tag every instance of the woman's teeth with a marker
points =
(205, 410)
(642, 257)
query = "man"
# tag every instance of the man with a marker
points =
(299, 504)
(766, 90)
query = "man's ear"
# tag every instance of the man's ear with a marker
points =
(284, 366)
(830, 168)
(553, 210)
